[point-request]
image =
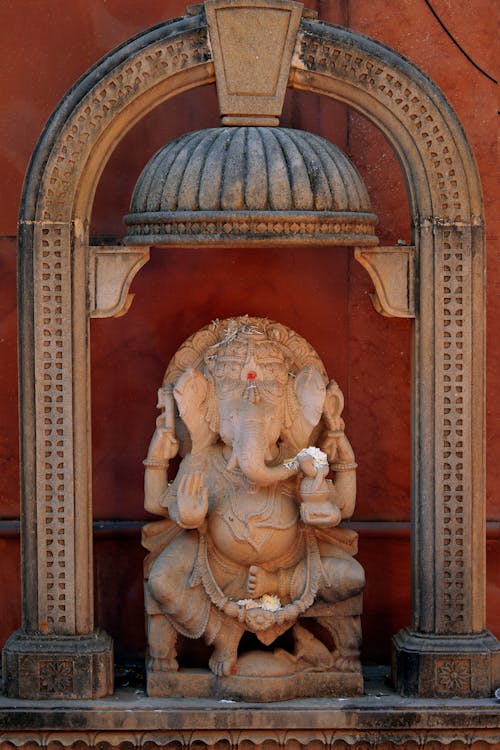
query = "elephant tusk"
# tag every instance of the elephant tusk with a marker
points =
(233, 462)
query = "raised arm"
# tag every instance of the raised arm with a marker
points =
(339, 451)
(162, 448)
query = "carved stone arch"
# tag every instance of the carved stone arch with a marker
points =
(448, 492)
(448, 466)
(54, 355)
(406, 106)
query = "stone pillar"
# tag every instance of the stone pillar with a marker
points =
(447, 650)
(57, 653)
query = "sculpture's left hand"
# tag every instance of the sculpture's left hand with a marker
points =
(321, 515)
(345, 453)
(314, 486)
(333, 406)
(332, 409)
(316, 492)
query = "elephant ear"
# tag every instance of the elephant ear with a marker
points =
(311, 394)
(192, 395)
(304, 407)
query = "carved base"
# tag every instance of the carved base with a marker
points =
(37, 667)
(255, 227)
(198, 683)
(445, 666)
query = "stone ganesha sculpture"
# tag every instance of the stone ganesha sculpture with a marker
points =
(250, 539)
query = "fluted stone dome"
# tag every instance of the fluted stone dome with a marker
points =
(250, 183)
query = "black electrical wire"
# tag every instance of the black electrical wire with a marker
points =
(464, 53)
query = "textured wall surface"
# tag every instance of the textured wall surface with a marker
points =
(323, 294)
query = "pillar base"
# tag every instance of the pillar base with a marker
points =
(39, 666)
(428, 665)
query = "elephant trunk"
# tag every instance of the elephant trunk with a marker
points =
(250, 452)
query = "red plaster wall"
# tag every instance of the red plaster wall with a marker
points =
(321, 293)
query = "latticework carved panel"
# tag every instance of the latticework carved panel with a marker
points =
(100, 106)
(453, 357)
(321, 52)
(53, 358)
(453, 465)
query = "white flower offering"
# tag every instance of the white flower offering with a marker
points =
(319, 457)
(247, 603)
(269, 602)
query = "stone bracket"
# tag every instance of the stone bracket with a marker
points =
(392, 270)
(111, 271)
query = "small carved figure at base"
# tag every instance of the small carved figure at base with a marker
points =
(251, 539)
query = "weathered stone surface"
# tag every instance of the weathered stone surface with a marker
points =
(202, 684)
(435, 665)
(247, 185)
(392, 270)
(378, 720)
(251, 540)
(447, 213)
(252, 45)
(62, 667)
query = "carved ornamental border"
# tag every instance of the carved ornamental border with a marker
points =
(448, 390)
(256, 740)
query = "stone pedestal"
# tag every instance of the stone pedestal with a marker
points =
(191, 683)
(433, 666)
(37, 666)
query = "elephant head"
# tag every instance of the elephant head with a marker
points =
(250, 399)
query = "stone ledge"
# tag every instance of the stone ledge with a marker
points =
(376, 740)
(129, 716)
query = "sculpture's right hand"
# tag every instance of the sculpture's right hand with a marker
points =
(192, 500)
(164, 445)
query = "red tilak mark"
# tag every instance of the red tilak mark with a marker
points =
(235, 671)
(251, 375)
